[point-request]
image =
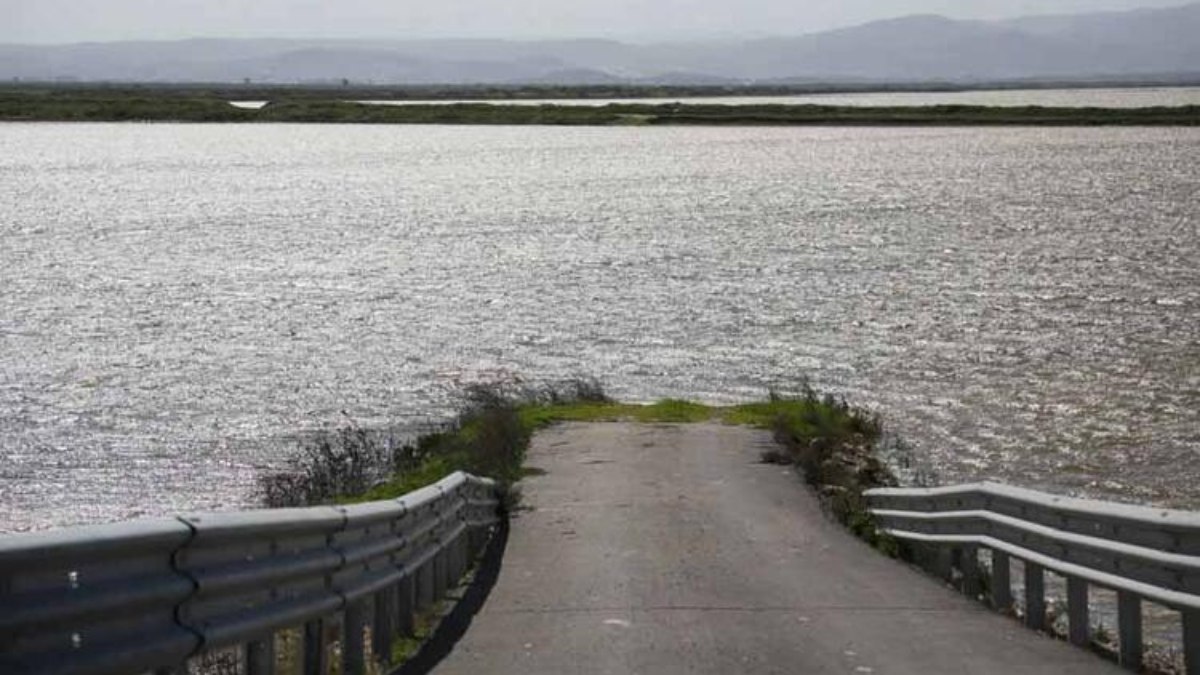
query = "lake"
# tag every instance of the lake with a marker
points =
(177, 302)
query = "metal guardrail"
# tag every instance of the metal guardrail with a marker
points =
(151, 596)
(1141, 553)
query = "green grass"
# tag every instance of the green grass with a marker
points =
(325, 106)
(424, 622)
(831, 442)
(667, 411)
(492, 440)
(806, 414)
(427, 473)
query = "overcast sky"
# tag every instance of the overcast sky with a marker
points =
(50, 21)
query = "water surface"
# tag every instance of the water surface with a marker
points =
(176, 301)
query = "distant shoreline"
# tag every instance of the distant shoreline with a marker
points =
(497, 93)
(19, 104)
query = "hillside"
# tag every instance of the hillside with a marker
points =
(1150, 42)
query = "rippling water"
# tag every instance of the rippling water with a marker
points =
(177, 300)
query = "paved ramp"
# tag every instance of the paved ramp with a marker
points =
(670, 549)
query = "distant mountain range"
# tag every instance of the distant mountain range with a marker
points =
(1149, 42)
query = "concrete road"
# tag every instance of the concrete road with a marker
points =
(670, 549)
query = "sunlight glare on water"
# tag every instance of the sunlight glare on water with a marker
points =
(178, 301)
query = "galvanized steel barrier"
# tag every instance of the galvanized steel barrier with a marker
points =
(150, 596)
(1140, 553)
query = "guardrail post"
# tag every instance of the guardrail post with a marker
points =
(1129, 622)
(460, 558)
(451, 563)
(475, 537)
(440, 573)
(406, 605)
(968, 564)
(260, 656)
(425, 585)
(6, 588)
(352, 639)
(1191, 642)
(383, 630)
(1035, 596)
(1002, 598)
(939, 561)
(956, 558)
(1077, 611)
(316, 652)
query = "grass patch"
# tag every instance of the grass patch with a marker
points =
(830, 442)
(668, 411)
(762, 415)
(833, 444)
(488, 437)
(424, 623)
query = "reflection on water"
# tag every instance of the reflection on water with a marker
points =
(1020, 304)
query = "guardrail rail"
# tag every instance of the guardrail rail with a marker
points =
(1141, 553)
(155, 596)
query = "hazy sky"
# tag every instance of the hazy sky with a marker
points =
(105, 20)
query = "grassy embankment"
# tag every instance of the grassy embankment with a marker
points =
(830, 441)
(122, 106)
